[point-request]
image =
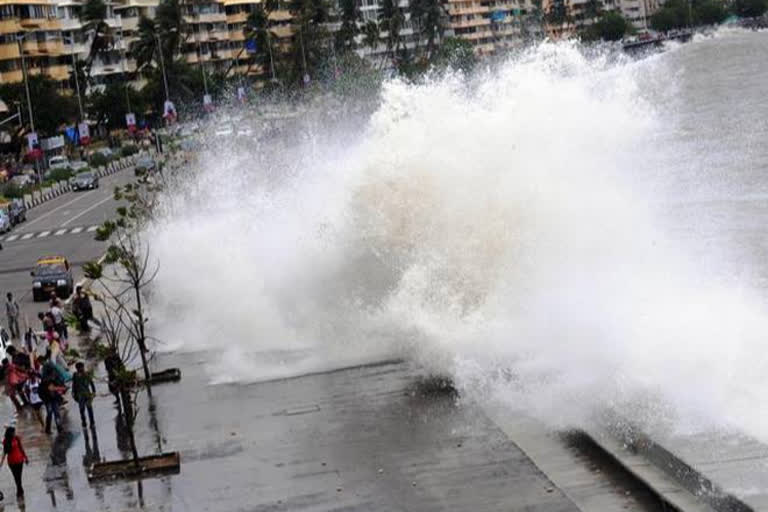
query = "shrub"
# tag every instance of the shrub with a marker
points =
(129, 149)
(11, 191)
(98, 160)
(59, 174)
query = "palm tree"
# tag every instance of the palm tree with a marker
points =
(93, 17)
(350, 16)
(371, 34)
(143, 49)
(257, 28)
(431, 18)
(391, 18)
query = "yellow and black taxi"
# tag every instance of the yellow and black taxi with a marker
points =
(51, 274)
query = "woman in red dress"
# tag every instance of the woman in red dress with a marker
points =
(14, 451)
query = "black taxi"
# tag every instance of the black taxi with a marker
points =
(51, 274)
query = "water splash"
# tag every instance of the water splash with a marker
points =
(500, 229)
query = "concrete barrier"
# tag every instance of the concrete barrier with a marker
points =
(36, 197)
(28, 200)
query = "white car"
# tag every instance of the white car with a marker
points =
(59, 162)
(5, 222)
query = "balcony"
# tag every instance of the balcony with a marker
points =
(9, 51)
(69, 24)
(10, 26)
(239, 17)
(39, 24)
(50, 48)
(14, 76)
(58, 72)
(474, 36)
(236, 35)
(280, 16)
(282, 31)
(131, 23)
(29, 47)
(477, 22)
(218, 17)
(475, 9)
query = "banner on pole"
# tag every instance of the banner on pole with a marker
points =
(85, 133)
(32, 141)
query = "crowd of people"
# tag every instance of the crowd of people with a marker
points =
(37, 374)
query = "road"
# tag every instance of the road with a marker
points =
(65, 226)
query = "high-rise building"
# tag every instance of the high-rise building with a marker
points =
(31, 28)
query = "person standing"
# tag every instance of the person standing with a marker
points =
(81, 307)
(12, 312)
(17, 457)
(59, 325)
(83, 391)
(50, 392)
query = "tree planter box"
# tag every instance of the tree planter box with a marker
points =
(163, 464)
(169, 375)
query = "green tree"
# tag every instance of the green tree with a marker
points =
(750, 8)
(93, 16)
(674, 15)
(371, 35)
(455, 53)
(557, 14)
(430, 19)
(611, 26)
(50, 108)
(109, 105)
(350, 17)
(710, 12)
(391, 21)
(258, 28)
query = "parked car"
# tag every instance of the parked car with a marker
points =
(59, 162)
(85, 181)
(5, 221)
(22, 180)
(51, 274)
(17, 212)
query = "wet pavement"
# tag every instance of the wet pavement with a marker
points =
(367, 438)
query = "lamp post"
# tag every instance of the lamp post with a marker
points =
(19, 39)
(162, 66)
(74, 70)
(122, 61)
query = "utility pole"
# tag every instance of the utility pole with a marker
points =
(74, 71)
(19, 39)
(162, 66)
(122, 61)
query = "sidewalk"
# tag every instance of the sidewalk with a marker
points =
(355, 439)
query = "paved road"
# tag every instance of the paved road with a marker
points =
(63, 226)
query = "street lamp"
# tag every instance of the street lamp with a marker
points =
(74, 70)
(162, 64)
(19, 38)
(123, 59)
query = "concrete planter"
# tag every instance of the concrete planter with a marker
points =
(153, 465)
(28, 200)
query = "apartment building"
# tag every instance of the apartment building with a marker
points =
(492, 25)
(36, 23)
